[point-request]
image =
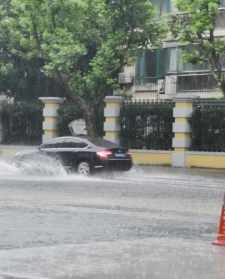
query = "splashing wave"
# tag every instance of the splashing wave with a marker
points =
(34, 164)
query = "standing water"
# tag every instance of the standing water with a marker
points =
(148, 223)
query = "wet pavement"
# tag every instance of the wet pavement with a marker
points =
(149, 223)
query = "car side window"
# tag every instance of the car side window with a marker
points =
(49, 145)
(82, 144)
(58, 145)
(71, 144)
(77, 144)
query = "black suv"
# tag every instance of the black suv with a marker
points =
(86, 155)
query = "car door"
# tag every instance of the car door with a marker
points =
(70, 152)
(59, 150)
(50, 149)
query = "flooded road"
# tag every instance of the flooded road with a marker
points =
(148, 223)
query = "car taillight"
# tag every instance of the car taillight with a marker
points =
(104, 154)
(129, 153)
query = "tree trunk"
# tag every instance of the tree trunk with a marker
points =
(89, 115)
(222, 86)
(87, 109)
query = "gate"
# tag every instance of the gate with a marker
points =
(208, 126)
(147, 125)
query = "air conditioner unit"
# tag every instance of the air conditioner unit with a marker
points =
(171, 85)
(125, 78)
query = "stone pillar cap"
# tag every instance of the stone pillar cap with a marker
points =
(182, 100)
(51, 100)
(116, 99)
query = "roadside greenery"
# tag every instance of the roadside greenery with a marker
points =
(80, 45)
(195, 26)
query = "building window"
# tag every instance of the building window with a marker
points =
(152, 64)
(183, 66)
(222, 3)
(162, 6)
(158, 63)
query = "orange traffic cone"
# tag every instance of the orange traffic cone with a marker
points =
(221, 232)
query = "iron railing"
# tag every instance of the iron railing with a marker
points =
(208, 126)
(153, 84)
(195, 82)
(147, 125)
(22, 123)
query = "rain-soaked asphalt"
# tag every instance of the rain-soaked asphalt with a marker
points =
(151, 223)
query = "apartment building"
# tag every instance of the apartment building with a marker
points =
(163, 73)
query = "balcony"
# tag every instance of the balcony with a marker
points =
(192, 85)
(150, 84)
(196, 82)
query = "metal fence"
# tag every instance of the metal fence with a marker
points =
(147, 125)
(22, 123)
(208, 126)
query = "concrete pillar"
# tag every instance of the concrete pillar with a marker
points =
(112, 118)
(1, 129)
(182, 131)
(1, 125)
(50, 113)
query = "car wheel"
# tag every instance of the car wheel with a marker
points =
(84, 168)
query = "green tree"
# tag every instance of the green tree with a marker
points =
(195, 25)
(80, 44)
(21, 78)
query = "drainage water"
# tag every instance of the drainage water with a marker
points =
(45, 167)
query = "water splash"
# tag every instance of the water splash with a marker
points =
(7, 168)
(38, 165)
(41, 165)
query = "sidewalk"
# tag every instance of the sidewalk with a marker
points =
(9, 151)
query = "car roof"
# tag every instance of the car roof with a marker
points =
(93, 141)
(62, 139)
